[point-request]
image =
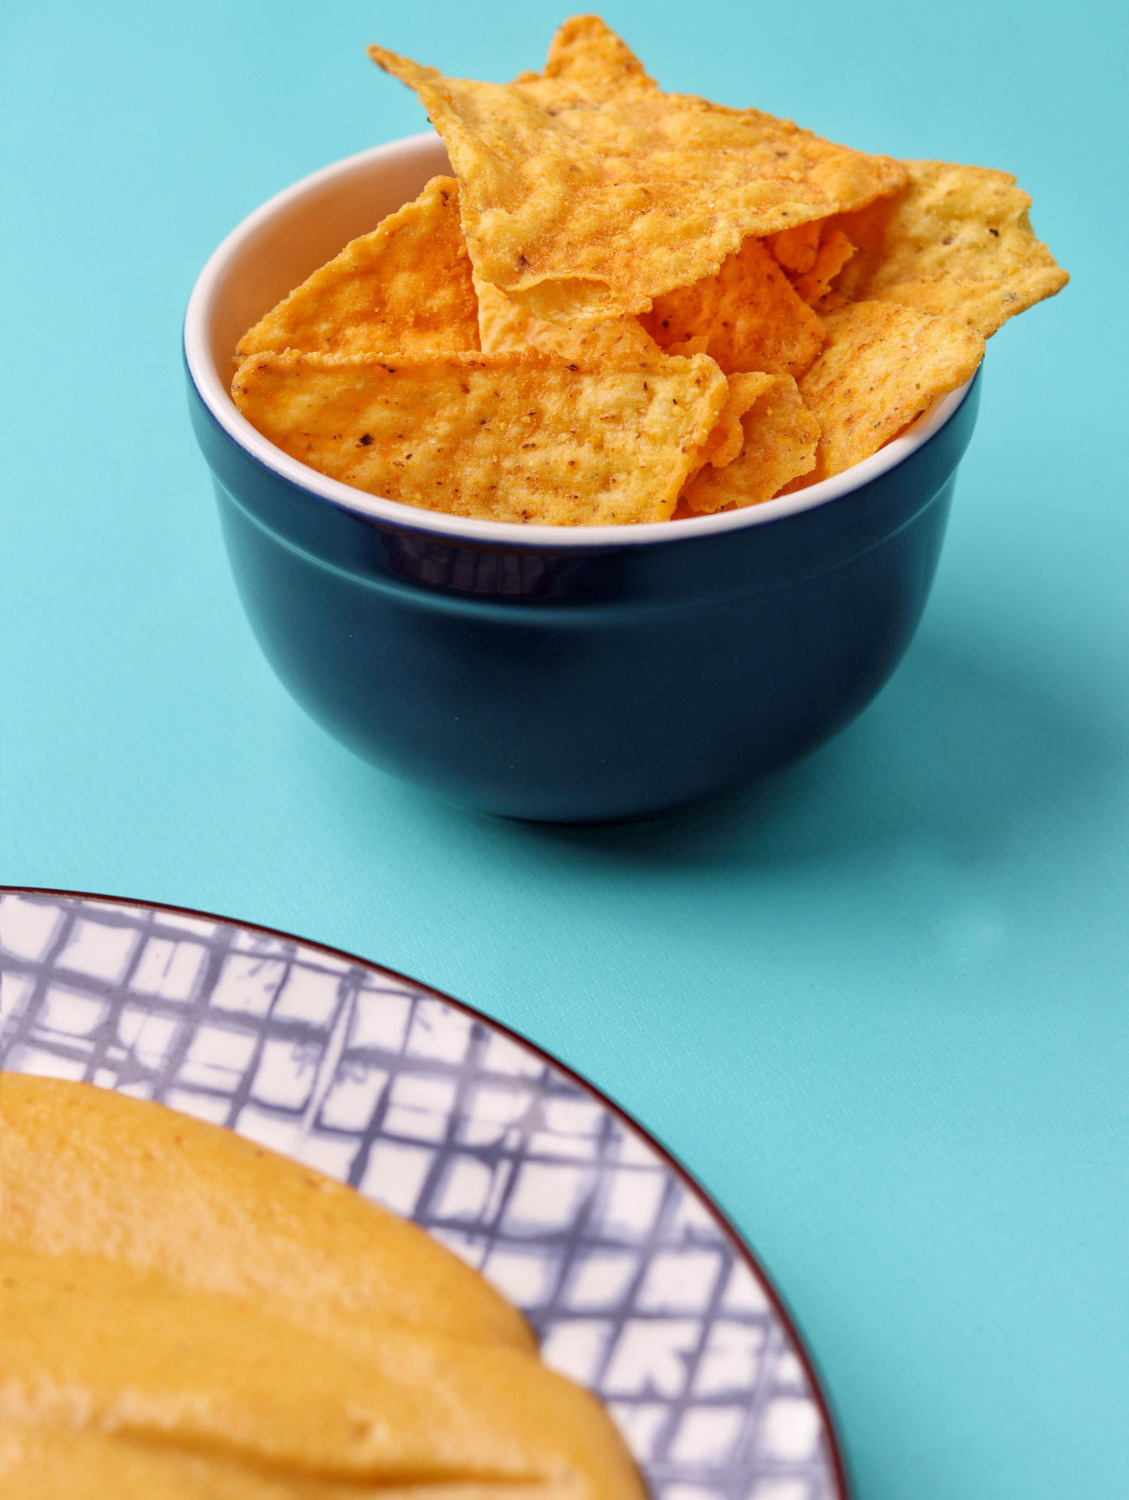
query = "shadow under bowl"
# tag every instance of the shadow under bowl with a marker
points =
(563, 674)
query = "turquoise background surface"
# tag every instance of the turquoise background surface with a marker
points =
(878, 1005)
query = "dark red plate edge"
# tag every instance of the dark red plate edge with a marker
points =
(740, 1245)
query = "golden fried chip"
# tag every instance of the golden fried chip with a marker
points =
(587, 54)
(696, 345)
(726, 440)
(750, 312)
(795, 249)
(407, 285)
(506, 325)
(866, 230)
(955, 242)
(503, 437)
(835, 250)
(779, 436)
(881, 367)
(584, 200)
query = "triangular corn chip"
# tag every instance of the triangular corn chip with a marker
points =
(586, 56)
(881, 367)
(407, 285)
(505, 325)
(778, 442)
(583, 200)
(795, 249)
(835, 250)
(695, 345)
(505, 437)
(750, 313)
(955, 242)
(726, 440)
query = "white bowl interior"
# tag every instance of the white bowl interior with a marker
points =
(281, 243)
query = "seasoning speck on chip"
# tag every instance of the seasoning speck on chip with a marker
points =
(629, 305)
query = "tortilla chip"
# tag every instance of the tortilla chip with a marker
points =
(866, 231)
(406, 286)
(583, 200)
(795, 249)
(750, 312)
(505, 325)
(587, 55)
(779, 437)
(502, 437)
(957, 243)
(696, 345)
(881, 367)
(727, 438)
(835, 250)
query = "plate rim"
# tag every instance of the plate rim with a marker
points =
(835, 1445)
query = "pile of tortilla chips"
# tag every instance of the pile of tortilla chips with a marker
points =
(629, 305)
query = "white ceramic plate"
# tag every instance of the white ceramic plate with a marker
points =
(634, 1281)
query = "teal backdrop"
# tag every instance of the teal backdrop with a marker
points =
(879, 1005)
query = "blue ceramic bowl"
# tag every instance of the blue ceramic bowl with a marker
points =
(554, 673)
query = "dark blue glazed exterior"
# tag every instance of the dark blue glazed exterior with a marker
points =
(585, 685)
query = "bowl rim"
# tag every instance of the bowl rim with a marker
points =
(217, 400)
